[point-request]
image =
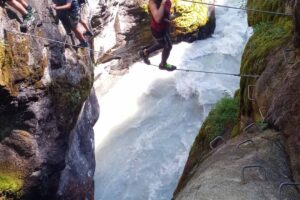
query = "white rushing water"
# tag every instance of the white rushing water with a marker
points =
(149, 118)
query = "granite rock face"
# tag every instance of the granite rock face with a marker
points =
(47, 110)
(220, 176)
(276, 60)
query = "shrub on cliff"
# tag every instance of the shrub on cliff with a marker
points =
(222, 116)
(220, 120)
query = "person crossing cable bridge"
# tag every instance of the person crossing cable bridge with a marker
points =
(68, 12)
(160, 12)
(24, 9)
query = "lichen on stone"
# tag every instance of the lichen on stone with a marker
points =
(192, 16)
(5, 67)
(220, 121)
(267, 36)
(11, 184)
(68, 99)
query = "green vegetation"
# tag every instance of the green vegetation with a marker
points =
(192, 16)
(10, 183)
(223, 115)
(5, 66)
(221, 120)
(262, 125)
(267, 36)
(68, 98)
(269, 5)
(270, 32)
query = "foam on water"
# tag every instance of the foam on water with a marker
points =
(149, 118)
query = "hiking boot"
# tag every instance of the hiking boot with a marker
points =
(167, 67)
(83, 44)
(28, 19)
(144, 57)
(89, 34)
(30, 10)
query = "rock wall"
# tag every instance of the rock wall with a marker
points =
(296, 18)
(275, 104)
(44, 121)
(276, 60)
(219, 122)
(220, 176)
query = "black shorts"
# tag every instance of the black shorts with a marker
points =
(74, 18)
(70, 20)
(162, 37)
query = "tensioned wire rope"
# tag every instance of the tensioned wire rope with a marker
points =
(238, 8)
(178, 69)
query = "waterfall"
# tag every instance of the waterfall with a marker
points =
(149, 118)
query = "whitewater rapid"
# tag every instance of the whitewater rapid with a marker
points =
(149, 118)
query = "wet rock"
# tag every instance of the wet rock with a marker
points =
(278, 97)
(76, 181)
(276, 94)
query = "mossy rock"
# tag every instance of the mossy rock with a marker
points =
(268, 5)
(5, 67)
(68, 98)
(10, 185)
(14, 64)
(221, 119)
(224, 114)
(236, 130)
(267, 36)
(191, 16)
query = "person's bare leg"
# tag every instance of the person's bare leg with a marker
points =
(78, 33)
(84, 24)
(24, 3)
(18, 6)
